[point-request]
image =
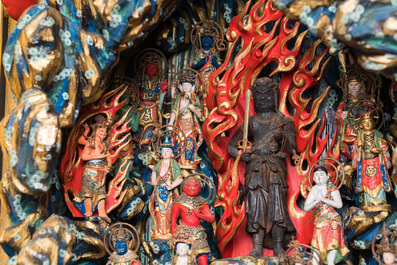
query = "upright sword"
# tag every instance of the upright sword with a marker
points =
(244, 144)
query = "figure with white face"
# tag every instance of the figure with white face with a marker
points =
(183, 256)
(389, 258)
(166, 176)
(328, 233)
(186, 112)
(386, 248)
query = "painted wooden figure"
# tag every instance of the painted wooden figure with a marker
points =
(193, 208)
(328, 232)
(166, 176)
(98, 163)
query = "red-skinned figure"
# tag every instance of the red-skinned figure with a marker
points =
(192, 208)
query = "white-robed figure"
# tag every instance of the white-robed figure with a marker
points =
(328, 233)
(186, 115)
(183, 254)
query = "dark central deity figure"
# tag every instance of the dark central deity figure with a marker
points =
(271, 134)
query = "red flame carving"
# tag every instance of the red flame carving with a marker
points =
(226, 103)
(71, 168)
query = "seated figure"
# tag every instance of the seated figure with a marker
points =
(183, 256)
(123, 239)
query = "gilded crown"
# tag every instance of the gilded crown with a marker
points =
(193, 178)
(187, 77)
(208, 30)
(369, 82)
(167, 143)
(367, 114)
(385, 246)
(150, 59)
(121, 234)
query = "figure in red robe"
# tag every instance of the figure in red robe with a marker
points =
(371, 160)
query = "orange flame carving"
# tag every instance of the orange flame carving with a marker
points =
(71, 168)
(227, 88)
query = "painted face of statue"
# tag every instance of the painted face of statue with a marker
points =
(102, 133)
(367, 124)
(192, 188)
(206, 42)
(151, 70)
(121, 247)
(187, 88)
(354, 88)
(182, 249)
(264, 102)
(388, 258)
(166, 153)
(320, 177)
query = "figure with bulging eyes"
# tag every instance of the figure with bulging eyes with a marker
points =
(192, 209)
(122, 255)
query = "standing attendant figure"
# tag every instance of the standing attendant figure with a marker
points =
(166, 176)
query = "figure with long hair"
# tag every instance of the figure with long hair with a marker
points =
(98, 163)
